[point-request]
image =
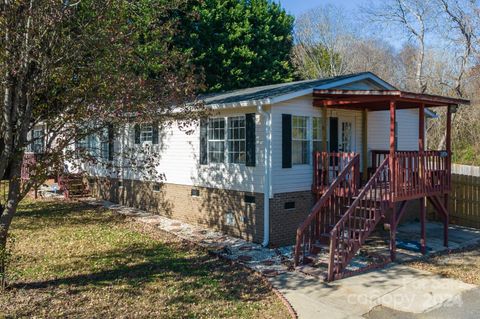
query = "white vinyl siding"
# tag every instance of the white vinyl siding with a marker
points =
(180, 151)
(299, 177)
(179, 158)
(379, 130)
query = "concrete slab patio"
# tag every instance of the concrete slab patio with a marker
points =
(397, 289)
(466, 306)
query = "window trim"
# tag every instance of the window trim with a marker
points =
(226, 140)
(143, 133)
(308, 139)
(38, 141)
(240, 140)
(210, 140)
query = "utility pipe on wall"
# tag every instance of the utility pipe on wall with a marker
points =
(267, 120)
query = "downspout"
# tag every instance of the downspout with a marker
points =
(267, 117)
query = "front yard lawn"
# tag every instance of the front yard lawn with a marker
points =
(72, 260)
(463, 265)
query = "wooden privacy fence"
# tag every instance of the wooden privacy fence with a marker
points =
(464, 204)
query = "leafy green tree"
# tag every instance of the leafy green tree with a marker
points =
(79, 66)
(241, 43)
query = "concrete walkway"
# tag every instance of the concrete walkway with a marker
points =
(394, 291)
(466, 306)
(398, 288)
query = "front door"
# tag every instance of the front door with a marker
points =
(346, 142)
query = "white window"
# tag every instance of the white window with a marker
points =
(38, 140)
(300, 142)
(236, 140)
(92, 145)
(146, 133)
(104, 144)
(216, 140)
(317, 134)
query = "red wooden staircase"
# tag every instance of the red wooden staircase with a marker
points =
(345, 214)
(343, 217)
(73, 185)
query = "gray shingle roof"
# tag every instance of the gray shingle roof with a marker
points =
(269, 91)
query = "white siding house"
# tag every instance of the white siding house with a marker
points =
(180, 153)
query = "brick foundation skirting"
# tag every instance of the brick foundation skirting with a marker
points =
(285, 219)
(219, 209)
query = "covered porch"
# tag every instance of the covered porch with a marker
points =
(401, 176)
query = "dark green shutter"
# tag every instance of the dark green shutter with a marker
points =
(286, 140)
(111, 139)
(137, 134)
(333, 134)
(155, 133)
(203, 141)
(250, 142)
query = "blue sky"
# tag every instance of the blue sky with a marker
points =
(296, 7)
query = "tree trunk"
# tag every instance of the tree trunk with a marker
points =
(6, 217)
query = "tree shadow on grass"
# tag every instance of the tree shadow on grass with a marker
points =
(160, 264)
(135, 265)
(34, 216)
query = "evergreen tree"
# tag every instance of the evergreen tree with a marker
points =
(241, 43)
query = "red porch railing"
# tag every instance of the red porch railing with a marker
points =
(327, 167)
(315, 230)
(417, 174)
(360, 219)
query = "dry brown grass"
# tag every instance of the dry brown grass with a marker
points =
(463, 265)
(75, 261)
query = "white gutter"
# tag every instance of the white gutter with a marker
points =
(267, 116)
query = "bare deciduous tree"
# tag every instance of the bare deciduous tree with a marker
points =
(321, 36)
(414, 19)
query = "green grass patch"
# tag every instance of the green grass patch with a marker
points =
(72, 260)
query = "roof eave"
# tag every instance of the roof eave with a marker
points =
(240, 104)
(394, 94)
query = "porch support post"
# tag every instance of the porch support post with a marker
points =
(365, 144)
(423, 220)
(324, 146)
(324, 129)
(421, 171)
(393, 222)
(421, 128)
(448, 142)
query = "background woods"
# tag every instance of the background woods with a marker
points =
(426, 46)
